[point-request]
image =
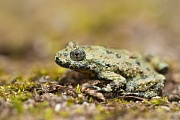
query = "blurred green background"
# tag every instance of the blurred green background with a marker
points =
(32, 31)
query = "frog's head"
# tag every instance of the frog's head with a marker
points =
(73, 57)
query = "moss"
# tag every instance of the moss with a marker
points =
(90, 100)
(17, 105)
(79, 111)
(102, 113)
(158, 101)
(71, 102)
(53, 73)
(121, 100)
(48, 113)
(80, 99)
(78, 89)
(64, 114)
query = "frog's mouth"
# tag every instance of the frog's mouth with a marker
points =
(61, 62)
(80, 65)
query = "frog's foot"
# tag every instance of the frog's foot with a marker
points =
(158, 64)
(92, 91)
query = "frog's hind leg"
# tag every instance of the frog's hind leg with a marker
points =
(158, 64)
(147, 94)
(147, 87)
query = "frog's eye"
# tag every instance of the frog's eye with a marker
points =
(77, 55)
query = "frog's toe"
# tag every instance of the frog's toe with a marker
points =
(88, 86)
(93, 87)
(96, 88)
(146, 94)
(93, 91)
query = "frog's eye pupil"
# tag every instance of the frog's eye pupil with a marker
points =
(77, 55)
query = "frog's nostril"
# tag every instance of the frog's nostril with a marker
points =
(56, 58)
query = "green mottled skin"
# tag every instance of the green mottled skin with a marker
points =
(119, 70)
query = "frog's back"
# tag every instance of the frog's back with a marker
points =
(118, 60)
(104, 54)
(109, 55)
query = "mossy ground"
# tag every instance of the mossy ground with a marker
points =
(41, 95)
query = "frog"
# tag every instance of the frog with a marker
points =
(118, 70)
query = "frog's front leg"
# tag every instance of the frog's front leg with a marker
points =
(109, 82)
(116, 81)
